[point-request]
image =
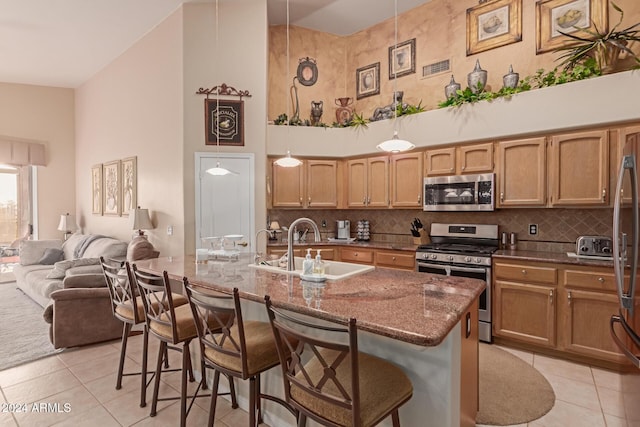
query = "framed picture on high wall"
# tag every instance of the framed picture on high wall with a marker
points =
(224, 122)
(554, 17)
(402, 59)
(96, 189)
(368, 80)
(129, 185)
(493, 24)
(111, 203)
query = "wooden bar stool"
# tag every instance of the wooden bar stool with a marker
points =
(174, 326)
(233, 346)
(337, 385)
(128, 308)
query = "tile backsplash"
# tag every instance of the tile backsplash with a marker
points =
(558, 229)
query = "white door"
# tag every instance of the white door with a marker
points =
(225, 204)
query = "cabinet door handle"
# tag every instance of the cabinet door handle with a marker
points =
(462, 168)
(502, 197)
(524, 271)
(419, 198)
(604, 194)
(309, 199)
(569, 297)
(368, 200)
(601, 279)
(300, 200)
(393, 258)
(551, 297)
(364, 200)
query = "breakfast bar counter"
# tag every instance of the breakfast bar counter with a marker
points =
(418, 321)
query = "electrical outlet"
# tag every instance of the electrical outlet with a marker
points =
(170, 230)
(324, 223)
(533, 229)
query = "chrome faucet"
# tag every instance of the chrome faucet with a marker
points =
(258, 255)
(316, 232)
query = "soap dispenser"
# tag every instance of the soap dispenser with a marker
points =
(307, 264)
(318, 265)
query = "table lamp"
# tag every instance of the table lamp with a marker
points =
(273, 227)
(67, 224)
(139, 220)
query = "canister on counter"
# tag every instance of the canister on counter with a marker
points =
(513, 242)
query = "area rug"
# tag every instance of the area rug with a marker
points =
(511, 390)
(23, 332)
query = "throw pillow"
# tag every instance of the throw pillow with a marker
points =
(51, 256)
(60, 268)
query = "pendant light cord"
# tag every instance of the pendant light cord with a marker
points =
(395, 74)
(215, 73)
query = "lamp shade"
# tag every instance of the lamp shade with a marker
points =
(288, 161)
(275, 225)
(139, 220)
(67, 223)
(395, 144)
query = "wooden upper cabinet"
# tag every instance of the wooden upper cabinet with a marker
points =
(441, 161)
(322, 184)
(460, 160)
(521, 173)
(406, 180)
(579, 168)
(477, 158)
(628, 139)
(314, 184)
(288, 187)
(357, 183)
(368, 182)
(378, 182)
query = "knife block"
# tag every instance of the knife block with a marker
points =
(422, 240)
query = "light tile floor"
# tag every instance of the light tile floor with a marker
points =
(84, 380)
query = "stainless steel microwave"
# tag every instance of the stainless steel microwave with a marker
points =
(459, 193)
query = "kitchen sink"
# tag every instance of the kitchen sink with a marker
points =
(334, 270)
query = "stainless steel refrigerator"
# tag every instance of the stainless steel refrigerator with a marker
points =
(626, 251)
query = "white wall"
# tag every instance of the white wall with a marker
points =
(133, 107)
(46, 115)
(241, 62)
(144, 104)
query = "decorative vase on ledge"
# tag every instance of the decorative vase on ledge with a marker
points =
(477, 79)
(452, 88)
(344, 112)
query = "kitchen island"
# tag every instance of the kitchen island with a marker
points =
(426, 324)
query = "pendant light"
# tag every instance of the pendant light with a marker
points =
(218, 170)
(395, 144)
(287, 161)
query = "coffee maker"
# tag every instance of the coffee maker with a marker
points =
(343, 229)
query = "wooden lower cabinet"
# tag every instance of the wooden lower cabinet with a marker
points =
(569, 314)
(362, 256)
(525, 312)
(396, 259)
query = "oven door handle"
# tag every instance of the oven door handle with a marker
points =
(449, 268)
(469, 269)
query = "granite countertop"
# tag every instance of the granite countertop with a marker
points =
(417, 308)
(554, 257)
(354, 244)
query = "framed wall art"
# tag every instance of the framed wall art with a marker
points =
(402, 59)
(96, 189)
(368, 80)
(111, 188)
(567, 16)
(224, 122)
(129, 184)
(494, 24)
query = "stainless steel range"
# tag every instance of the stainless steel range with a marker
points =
(462, 250)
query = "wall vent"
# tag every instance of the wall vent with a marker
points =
(436, 68)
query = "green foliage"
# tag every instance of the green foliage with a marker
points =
(597, 45)
(540, 79)
(406, 109)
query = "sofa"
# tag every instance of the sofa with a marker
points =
(66, 279)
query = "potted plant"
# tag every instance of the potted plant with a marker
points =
(604, 47)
